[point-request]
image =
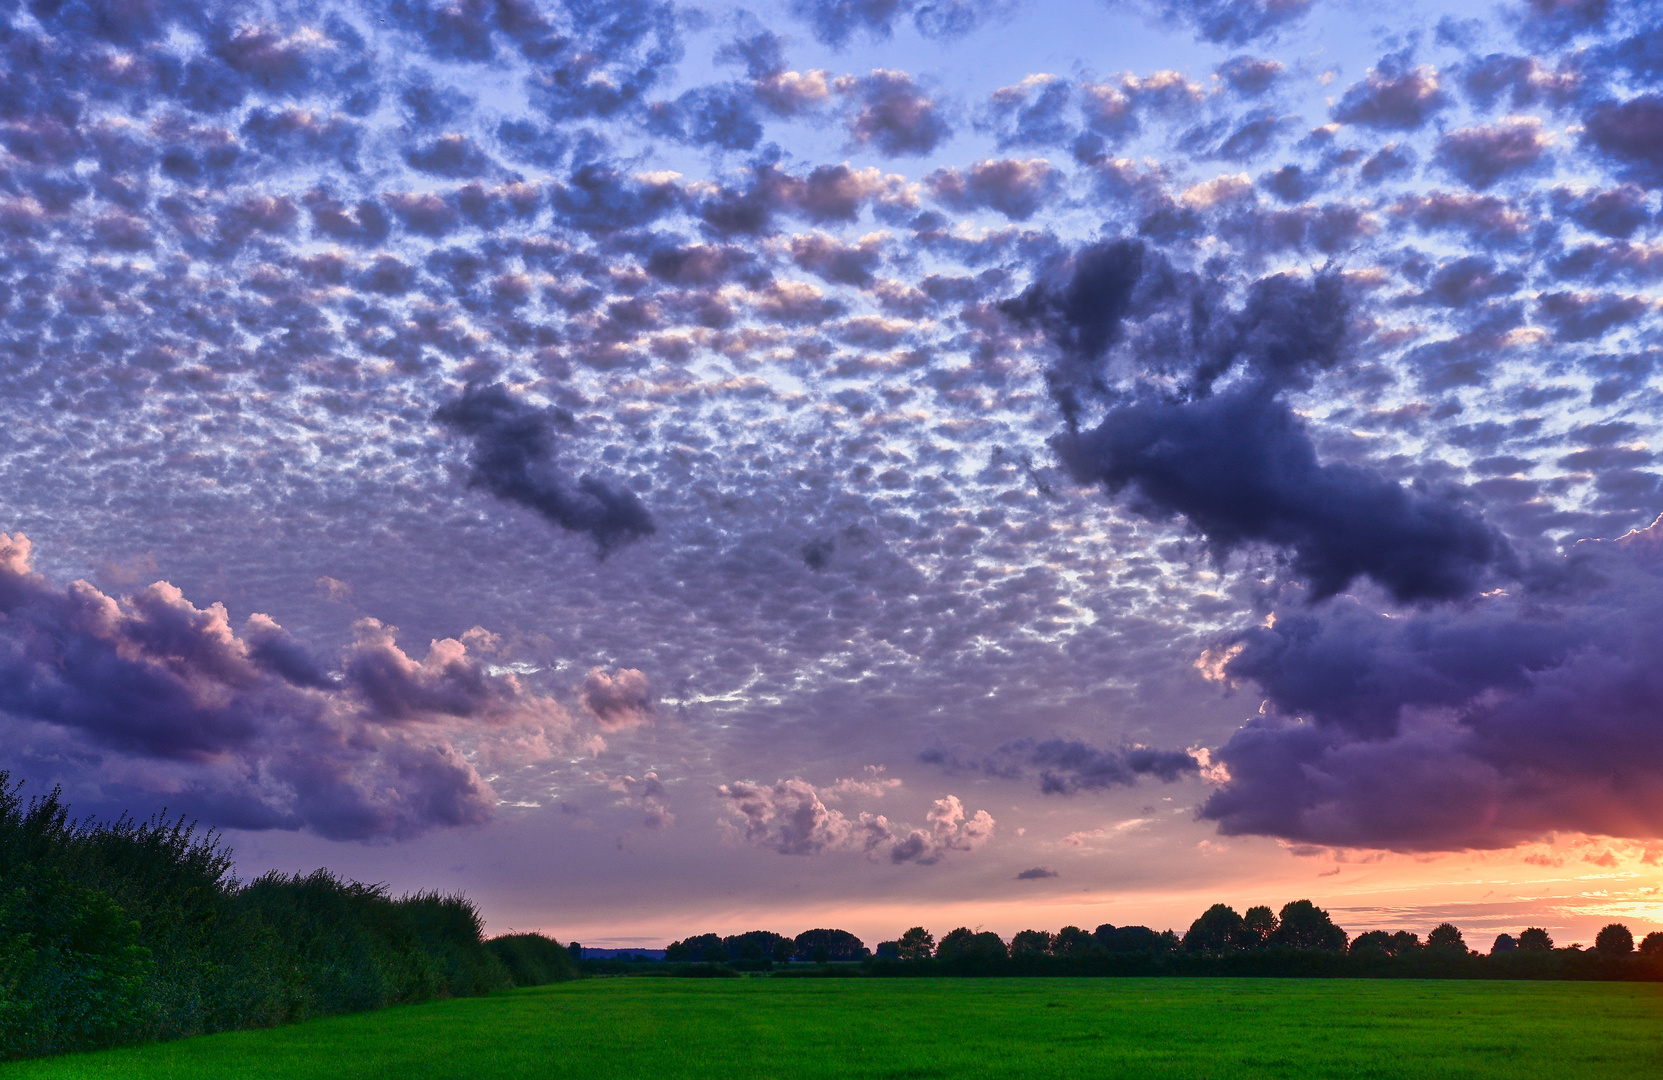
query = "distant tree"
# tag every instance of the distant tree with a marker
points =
(755, 945)
(1303, 925)
(677, 952)
(889, 950)
(1652, 944)
(1030, 943)
(820, 953)
(917, 944)
(1258, 924)
(1167, 941)
(1446, 938)
(1614, 940)
(576, 950)
(1535, 939)
(1375, 942)
(1405, 943)
(1504, 944)
(783, 949)
(1070, 941)
(1132, 939)
(714, 954)
(964, 944)
(840, 945)
(1218, 929)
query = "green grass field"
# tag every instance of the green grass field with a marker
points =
(859, 1028)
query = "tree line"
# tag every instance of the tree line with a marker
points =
(1300, 939)
(115, 932)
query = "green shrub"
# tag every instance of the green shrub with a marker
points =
(532, 959)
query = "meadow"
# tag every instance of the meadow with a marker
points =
(1009, 1028)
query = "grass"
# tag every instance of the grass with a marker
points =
(853, 1029)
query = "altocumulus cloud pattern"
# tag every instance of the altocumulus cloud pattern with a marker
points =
(735, 399)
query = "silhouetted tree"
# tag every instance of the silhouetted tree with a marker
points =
(1030, 943)
(1376, 942)
(840, 945)
(1504, 943)
(1405, 943)
(1258, 924)
(966, 945)
(820, 953)
(1071, 941)
(1614, 940)
(1133, 939)
(1303, 925)
(1218, 929)
(917, 944)
(1652, 944)
(576, 950)
(889, 950)
(757, 945)
(1535, 939)
(1446, 938)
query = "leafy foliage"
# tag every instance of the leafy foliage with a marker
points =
(122, 931)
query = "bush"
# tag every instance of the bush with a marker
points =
(123, 931)
(532, 959)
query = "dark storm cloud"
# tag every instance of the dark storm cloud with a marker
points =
(1483, 726)
(1241, 468)
(513, 457)
(1237, 464)
(246, 725)
(892, 114)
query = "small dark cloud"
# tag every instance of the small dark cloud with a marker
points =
(893, 115)
(1630, 135)
(1231, 22)
(836, 22)
(1394, 97)
(1068, 767)
(1250, 76)
(1016, 189)
(1618, 212)
(1480, 156)
(1037, 873)
(513, 457)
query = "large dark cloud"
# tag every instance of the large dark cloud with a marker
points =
(1482, 726)
(169, 702)
(1236, 462)
(513, 457)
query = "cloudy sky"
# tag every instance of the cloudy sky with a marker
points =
(662, 467)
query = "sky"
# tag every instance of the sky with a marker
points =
(665, 468)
